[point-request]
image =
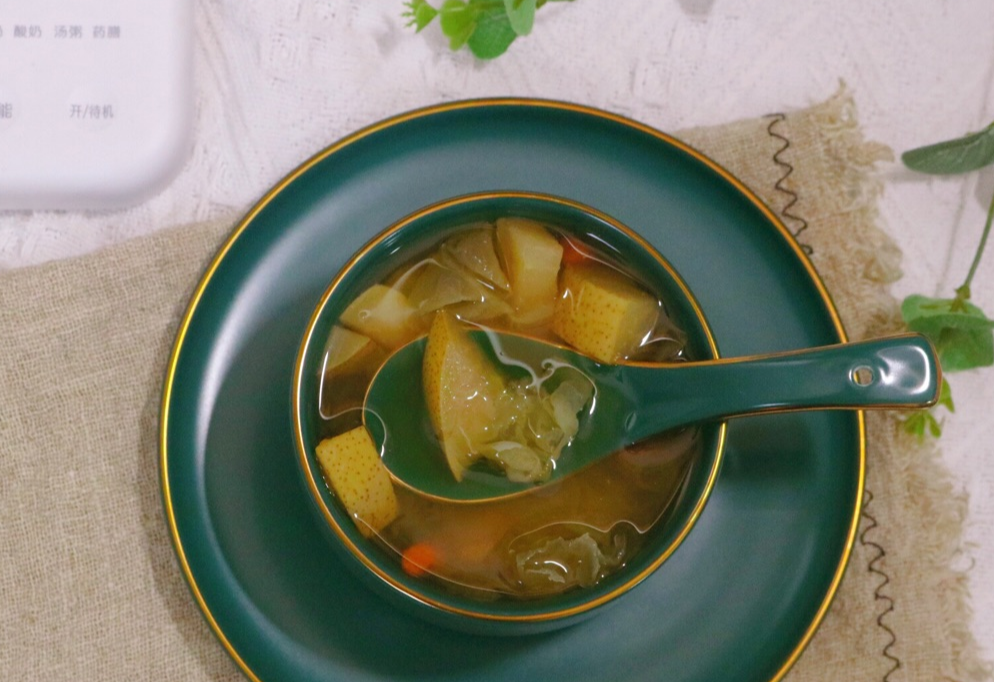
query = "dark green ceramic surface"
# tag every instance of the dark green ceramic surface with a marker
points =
(409, 425)
(407, 413)
(636, 401)
(741, 594)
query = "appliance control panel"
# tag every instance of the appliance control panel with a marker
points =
(96, 101)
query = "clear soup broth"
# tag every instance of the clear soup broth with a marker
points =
(520, 276)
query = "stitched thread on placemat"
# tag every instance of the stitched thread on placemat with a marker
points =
(788, 169)
(873, 566)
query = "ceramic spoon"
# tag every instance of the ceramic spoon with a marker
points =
(638, 400)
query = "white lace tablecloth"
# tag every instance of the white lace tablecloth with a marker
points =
(277, 81)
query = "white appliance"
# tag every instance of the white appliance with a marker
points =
(96, 100)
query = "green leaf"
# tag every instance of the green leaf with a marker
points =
(916, 423)
(488, 27)
(961, 155)
(459, 21)
(493, 34)
(420, 14)
(922, 423)
(945, 397)
(521, 15)
(961, 332)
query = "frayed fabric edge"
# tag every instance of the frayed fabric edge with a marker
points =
(881, 256)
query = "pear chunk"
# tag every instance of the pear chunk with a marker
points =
(348, 352)
(383, 314)
(602, 313)
(359, 479)
(532, 256)
(461, 388)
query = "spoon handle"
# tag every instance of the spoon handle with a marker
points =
(899, 371)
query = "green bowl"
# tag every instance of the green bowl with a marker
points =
(383, 573)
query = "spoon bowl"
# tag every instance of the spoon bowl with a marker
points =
(633, 401)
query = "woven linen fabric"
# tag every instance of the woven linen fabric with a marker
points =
(89, 585)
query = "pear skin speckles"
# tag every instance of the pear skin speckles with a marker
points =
(359, 479)
(601, 312)
(461, 389)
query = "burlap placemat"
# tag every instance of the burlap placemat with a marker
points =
(89, 587)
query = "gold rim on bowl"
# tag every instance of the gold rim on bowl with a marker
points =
(316, 483)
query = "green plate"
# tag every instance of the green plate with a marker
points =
(737, 601)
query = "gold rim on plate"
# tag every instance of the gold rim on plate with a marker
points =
(244, 223)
